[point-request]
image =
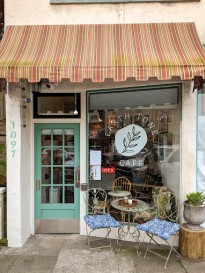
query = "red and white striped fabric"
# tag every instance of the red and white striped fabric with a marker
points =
(97, 52)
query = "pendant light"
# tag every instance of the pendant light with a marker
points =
(75, 111)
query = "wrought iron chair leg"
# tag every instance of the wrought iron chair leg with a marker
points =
(117, 250)
(170, 251)
(147, 249)
(171, 248)
(106, 237)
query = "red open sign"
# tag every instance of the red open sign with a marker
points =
(108, 170)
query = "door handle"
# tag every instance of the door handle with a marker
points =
(37, 184)
(77, 182)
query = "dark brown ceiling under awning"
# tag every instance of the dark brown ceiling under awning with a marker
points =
(98, 52)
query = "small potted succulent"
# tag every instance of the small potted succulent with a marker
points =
(194, 210)
(117, 189)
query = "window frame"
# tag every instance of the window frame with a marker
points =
(37, 95)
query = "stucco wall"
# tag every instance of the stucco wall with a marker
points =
(22, 12)
(20, 168)
(19, 195)
(26, 12)
(188, 139)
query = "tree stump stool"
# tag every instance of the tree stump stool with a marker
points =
(192, 243)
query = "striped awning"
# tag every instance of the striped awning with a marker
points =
(98, 52)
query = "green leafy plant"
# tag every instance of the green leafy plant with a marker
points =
(117, 189)
(195, 198)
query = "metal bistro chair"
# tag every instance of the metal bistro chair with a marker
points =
(164, 225)
(125, 185)
(96, 218)
(122, 182)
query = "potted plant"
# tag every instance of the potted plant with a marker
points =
(194, 210)
(117, 189)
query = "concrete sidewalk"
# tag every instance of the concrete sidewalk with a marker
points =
(69, 254)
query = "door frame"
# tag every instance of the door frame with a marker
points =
(55, 225)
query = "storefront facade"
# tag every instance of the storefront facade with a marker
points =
(82, 126)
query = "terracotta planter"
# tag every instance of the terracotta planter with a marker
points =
(194, 216)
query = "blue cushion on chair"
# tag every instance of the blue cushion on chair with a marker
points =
(101, 221)
(161, 228)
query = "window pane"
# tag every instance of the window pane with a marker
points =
(138, 135)
(69, 156)
(45, 194)
(69, 175)
(57, 175)
(57, 137)
(57, 156)
(46, 175)
(69, 194)
(46, 137)
(57, 195)
(45, 156)
(69, 137)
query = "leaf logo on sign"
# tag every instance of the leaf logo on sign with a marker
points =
(130, 140)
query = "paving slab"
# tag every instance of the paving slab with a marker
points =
(68, 253)
(31, 264)
(6, 262)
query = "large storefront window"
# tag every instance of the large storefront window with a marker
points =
(135, 133)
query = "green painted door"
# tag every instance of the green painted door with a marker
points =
(57, 157)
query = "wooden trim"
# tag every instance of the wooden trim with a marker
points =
(143, 185)
(2, 106)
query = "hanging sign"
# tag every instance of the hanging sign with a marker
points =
(108, 170)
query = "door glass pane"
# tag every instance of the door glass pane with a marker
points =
(69, 156)
(69, 137)
(46, 137)
(45, 156)
(57, 166)
(46, 175)
(57, 175)
(57, 156)
(69, 175)
(69, 194)
(57, 195)
(57, 137)
(45, 194)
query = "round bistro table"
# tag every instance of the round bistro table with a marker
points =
(137, 206)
